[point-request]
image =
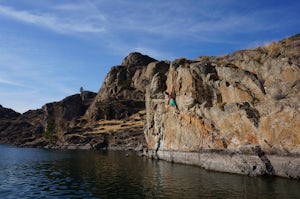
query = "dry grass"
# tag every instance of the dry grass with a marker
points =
(182, 62)
(203, 58)
(133, 122)
(272, 49)
(292, 48)
(287, 47)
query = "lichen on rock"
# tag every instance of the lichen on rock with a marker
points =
(249, 98)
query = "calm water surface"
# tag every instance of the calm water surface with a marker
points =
(39, 173)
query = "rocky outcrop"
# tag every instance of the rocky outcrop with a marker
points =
(7, 117)
(123, 91)
(45, 126)
(70, 107)
(238, 113)
(113, 118)
(119, 82)
(6, 113)
(60, 116)
(18, 129)
(121, 98)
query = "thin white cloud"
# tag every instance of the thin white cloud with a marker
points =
(61, 24)
(168, 19)
(10, 82)
(84, 8)
(177, 19)
(157, 28)
(70, 7)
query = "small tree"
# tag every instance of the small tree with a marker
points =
(50, 131)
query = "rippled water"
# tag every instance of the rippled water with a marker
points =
(40, 173)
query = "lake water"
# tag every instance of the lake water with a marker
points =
(40, 173)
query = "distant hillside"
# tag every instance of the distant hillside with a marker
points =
(43, 126)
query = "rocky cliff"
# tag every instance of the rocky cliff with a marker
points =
(45, 126)
(113, 118)
(18, 129)
(123, 91)
(238, 113)
(117, 114)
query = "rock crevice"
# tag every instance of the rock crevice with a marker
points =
(230, 103)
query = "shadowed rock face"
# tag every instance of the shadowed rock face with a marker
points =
(32, 127)
(78, 120)
(123, 91)
(7, 117)
(248, 101)
(16, 128)
(6, 113)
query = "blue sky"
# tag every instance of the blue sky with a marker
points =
(50, 48)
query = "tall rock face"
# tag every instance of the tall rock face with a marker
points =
(237, 113)
(59, 117)
(123, 91)
(116, 116)
(119, 82)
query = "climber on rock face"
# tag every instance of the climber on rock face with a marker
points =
(171, 100)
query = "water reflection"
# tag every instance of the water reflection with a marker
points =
(36, 173)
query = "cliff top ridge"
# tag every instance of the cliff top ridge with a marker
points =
(137, 59)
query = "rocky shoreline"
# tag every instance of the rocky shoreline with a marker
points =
(235, 162)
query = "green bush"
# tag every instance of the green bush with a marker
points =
(50, 131)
